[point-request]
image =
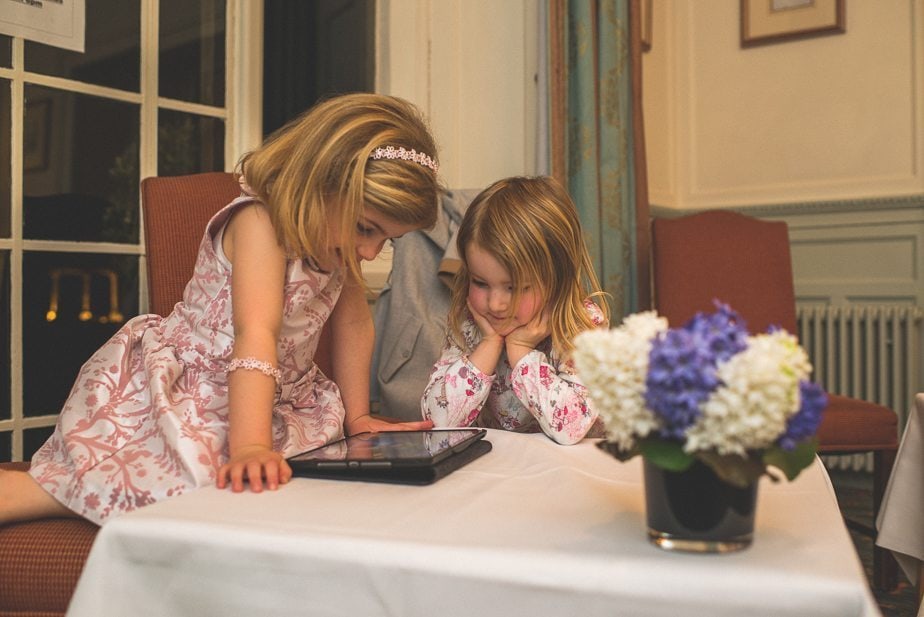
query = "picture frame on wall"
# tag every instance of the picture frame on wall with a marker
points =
(774, 21)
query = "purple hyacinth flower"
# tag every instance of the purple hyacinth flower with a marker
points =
(682, 366)
(804, 423)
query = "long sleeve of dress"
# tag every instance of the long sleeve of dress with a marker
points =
(556, 398)
(457, 390)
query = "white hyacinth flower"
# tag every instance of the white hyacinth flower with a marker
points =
(613, 364)
(760, 393)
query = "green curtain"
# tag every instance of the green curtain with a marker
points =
(592, 132)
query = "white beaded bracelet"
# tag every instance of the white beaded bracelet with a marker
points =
(252, 364)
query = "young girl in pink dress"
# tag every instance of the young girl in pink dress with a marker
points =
(225, 388)
(521, 295)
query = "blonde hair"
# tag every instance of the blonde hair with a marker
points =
(317, 169)
(531, 227)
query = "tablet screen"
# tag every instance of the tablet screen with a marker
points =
(394, 447)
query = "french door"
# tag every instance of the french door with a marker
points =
(153, 94)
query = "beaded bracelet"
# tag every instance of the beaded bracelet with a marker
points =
(252, 364)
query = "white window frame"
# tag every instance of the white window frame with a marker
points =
(242, 115)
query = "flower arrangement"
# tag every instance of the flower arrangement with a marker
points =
(707, 390)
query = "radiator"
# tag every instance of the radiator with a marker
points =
(870, 352)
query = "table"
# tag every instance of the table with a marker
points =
(532, 528)
(900, 522)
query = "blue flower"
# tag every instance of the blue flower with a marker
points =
(804, 422)
(682, 366)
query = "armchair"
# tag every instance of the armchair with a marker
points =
(746, 262)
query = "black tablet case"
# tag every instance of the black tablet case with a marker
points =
(425, 474)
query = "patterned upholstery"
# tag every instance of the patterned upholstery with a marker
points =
(40, 562)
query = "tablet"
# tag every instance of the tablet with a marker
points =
(403, 457)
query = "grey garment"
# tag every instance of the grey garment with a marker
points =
(410, 313)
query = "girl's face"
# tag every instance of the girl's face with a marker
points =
(372, 230)
(490, 293)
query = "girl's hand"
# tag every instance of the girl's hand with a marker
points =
(487, 331)
(525, 338)
(256, 463)
(371, 424)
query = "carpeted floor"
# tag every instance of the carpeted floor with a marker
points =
(853, 491)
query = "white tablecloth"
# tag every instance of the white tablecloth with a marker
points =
(532, 528)
(901, 517)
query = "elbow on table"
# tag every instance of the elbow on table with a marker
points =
(564, 439)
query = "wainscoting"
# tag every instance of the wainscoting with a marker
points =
(867, 253)
(852, 262)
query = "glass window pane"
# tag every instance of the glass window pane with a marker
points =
(32, 440)
(5, 411)
(6, 446)
(189, 143)
(5, 159)
(80, 167)
(192, 51)
(72, 304)
(113, 42)
(6, 51)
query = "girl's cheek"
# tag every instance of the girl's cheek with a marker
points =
(528, 308)
(474, 297)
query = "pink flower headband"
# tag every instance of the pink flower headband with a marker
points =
(390, 152)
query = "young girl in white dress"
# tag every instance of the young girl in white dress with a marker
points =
(225, 388)
(524, 290)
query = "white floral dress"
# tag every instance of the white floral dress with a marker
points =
(540, 393)
(148, 415)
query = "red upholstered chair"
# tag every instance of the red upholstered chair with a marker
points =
(40, 561)
(746, 262)
(176, 211)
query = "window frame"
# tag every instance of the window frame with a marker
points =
(241, 113)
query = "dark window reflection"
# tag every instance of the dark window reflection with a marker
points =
(112, 57)
(192, 51)
(5, 411)
(6, 446)
(6, 51)
(72, 304)
(80, 173)
(5, 158)
(189, 143)
(32, 440)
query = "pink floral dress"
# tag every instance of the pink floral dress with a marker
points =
(148, 415)
(540, 393)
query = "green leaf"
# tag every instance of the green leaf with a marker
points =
(666, 454)
(734, 469)
(792, 462)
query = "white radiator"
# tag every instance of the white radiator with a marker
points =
(870, 352)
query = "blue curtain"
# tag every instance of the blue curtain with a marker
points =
(593, 133)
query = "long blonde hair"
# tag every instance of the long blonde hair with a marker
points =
(317, 169)
(531, 227)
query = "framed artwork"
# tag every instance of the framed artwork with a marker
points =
(773, 21)
(36, 136)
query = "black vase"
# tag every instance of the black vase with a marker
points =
(695, 511)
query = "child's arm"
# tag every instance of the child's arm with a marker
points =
(457, 389)
(258, 277)
(353, 334)
(554, 396)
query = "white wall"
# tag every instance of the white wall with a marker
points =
(824, 133)
(827, 118)
(470, 65)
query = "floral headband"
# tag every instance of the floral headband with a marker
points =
(390, 152)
